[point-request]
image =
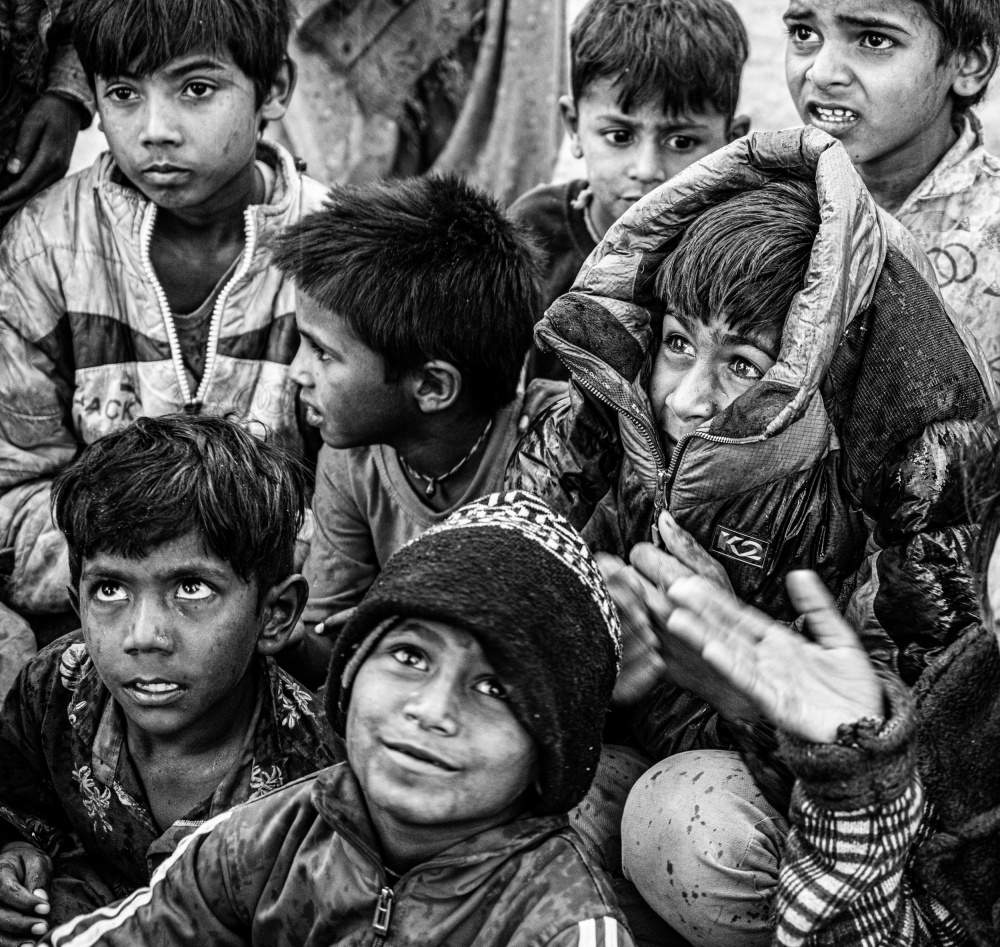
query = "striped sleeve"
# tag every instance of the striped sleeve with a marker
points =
(843, 879)
(594, 932)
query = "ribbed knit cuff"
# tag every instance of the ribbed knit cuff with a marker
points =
(872, 761)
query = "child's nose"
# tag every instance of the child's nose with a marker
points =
(298, 371)
(697, 396)
(148, 628)
(648, 164)
(159, 126)
(434, 706)
(829, 67)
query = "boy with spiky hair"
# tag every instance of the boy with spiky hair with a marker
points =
(470, 687)
(143, 286)
(415, 302)
(166, 708)
(895, 83)
(743, 348)
(654, 87)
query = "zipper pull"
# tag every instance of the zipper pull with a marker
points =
(383, 912)
(659, 503)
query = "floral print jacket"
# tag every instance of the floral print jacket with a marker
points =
(69, 786)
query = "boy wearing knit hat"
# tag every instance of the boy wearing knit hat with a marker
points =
(470, 686)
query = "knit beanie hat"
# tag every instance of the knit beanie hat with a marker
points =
(520, 579)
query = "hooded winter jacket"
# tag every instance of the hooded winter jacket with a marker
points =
(845, 458)
(301, 868)
(87, 344)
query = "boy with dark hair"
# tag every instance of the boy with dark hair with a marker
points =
(415, 302)
(654, 88)
(743, 349)
(895, 83)
(470, 686)
(143, 286)
(166, 708)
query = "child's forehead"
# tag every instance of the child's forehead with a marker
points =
(862, 13)
(188, 553)
(603, 98)
(203, 60)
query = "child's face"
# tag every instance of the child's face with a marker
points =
(630, 154)
(700, 370)
(867, 72)
(430, 736)
(342, 381)
(171, 634)
(184, 134)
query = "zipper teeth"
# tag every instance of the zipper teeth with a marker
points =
(679, 450)
(211, 356)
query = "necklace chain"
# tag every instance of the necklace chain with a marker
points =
(432, 482)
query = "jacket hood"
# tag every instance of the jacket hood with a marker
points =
(603, 328)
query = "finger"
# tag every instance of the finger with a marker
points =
(13, 894)
(28, 137)
(34, 179)
(37, 876)
(720, 613)
(609, 564)
(682, 544)
(659, 567)
(16, 922)
(813, 600)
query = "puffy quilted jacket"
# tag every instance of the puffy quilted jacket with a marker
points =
(87, 344)
(301, 868)
(845, 458)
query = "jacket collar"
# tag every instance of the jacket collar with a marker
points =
(956, 171)
(338, 798)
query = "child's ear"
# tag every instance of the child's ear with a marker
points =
(436, 386)
(571, 120)
(280, 93)
(975, 67)
(281, 608)
(739, 127)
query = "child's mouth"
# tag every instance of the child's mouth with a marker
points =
(833, 117)
(152, 693)
(416, 753)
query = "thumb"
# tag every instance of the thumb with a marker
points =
(28, 137)
(814, 602)
(37, 872)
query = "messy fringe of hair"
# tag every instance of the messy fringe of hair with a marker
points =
(966, 25)
(137, 37)
(744, 259)
(162, 478)
(685, 54)
(421, 269)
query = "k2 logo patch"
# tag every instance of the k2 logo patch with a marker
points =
(739, 546)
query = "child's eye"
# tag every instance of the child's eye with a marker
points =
(411, 657)
(193, 590)
(679, 345)
(321, 354)
(681, 142)
(744, 369)
(199, 90)
(110, 592)
(876, 41)
(120, 94)
(801, 34)
(619, 136)
(491, 687)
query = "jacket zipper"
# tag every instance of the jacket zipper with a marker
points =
(679, 450)
(193, 404)
(383, 915)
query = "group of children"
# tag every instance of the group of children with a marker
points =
(347, 667)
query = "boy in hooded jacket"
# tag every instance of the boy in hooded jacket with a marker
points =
(470, 686)
(818, 429)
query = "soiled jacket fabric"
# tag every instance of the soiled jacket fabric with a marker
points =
(302, 868)
(68, 780)
(955, 215)
(906, 819)
(86, 345)
(845, 458)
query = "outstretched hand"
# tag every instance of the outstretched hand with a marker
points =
(808, 688)
(25, 874)
(43, 150)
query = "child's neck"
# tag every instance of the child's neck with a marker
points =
(405, 845)
(893, 177)
(219, 216)
(445, 440)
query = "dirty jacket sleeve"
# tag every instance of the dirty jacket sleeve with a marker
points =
(36, 436)
(856, 814)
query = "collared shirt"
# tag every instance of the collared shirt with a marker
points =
(955, 214)
(68, 778)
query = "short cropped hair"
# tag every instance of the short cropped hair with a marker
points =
(685, 54)
(744, 259)
(964, 25)
(137, 37)
(161, 478)
(421, 269)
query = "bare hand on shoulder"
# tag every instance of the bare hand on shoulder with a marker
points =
(807, 688)
(42, 153)
(25, 874)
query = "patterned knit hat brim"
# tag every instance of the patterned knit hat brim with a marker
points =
(516, 576)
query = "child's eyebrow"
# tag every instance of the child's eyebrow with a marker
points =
(869, 22)
(756, 341)
(201, 64)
